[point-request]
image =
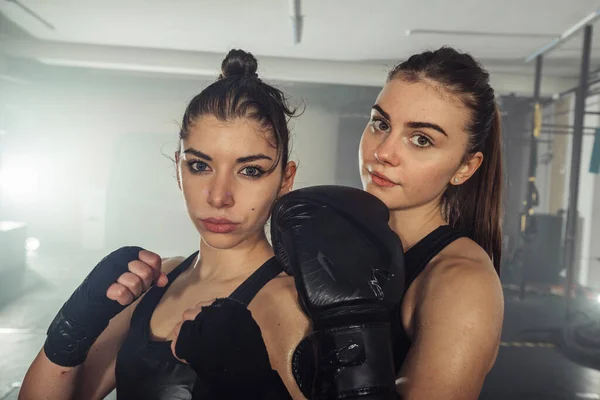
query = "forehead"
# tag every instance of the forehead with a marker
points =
(237, 136)
(422, 102)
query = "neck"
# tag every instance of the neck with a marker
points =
(414, 224)
(242, 260)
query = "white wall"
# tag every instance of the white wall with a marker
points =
(64, 132)
(314, 140)
(96, 144)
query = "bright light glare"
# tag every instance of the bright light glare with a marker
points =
(18, 181)
(32, 244)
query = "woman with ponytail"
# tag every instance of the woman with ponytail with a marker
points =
(432, 152)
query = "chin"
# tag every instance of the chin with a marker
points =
(221, 241)
(392, 199)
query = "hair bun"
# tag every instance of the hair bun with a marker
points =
(239, 63)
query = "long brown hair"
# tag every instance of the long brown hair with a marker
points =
(475, 207)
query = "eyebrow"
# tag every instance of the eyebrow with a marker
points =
(380, 111)
(253, 157)
(420, 125)
(240, 160)
(412, 124)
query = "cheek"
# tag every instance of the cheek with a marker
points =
(430, 176)
(259, 207)
(257, 215)
(194, 195)
(258, 204)
(195, 189)
(366, 147)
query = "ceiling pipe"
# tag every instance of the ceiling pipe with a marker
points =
(32, 13)
(413, 32)
(297, 20)
(589, 19)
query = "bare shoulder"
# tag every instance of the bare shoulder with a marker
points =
(465, 249)
(461, 264)
(462, 270)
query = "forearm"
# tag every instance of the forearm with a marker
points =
(423, 380)
(423, 392)
(90, 380)
(48, 381)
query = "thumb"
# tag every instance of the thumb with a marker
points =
(162, 280)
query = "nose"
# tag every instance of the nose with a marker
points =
(220, 192)
(387, 152)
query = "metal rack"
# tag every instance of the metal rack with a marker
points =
(581, 93)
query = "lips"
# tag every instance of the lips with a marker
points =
(381, 180)
(219, 221)
(219, 225)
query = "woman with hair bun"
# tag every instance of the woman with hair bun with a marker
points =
(222, 322)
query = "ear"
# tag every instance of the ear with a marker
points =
(288, 178)
(467, 169)
(177, 171)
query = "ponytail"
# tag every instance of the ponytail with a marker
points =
(475, 207)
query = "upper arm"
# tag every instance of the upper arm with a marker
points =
(283, 326)
(457, 328)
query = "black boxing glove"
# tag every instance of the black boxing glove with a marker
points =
(86, 314)
(224, 346)
(348, 267)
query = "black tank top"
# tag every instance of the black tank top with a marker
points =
(415, 261)
(146, 369)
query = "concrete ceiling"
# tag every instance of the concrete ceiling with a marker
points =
(343, 41)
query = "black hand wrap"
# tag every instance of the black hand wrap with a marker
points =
(349, 272)
(88, 311)
(224, 346)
